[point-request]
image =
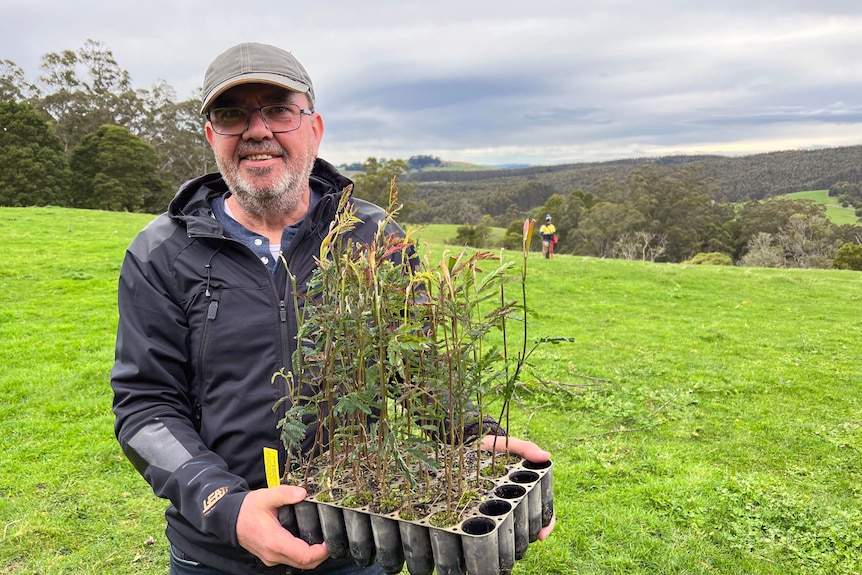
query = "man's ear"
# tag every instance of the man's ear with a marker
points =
(210, 134)
(317, 129)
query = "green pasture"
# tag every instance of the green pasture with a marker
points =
(838, 214)
(446, 234)
(704, 420)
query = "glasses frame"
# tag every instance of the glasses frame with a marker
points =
(259, 110)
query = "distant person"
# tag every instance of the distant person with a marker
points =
(204, 322)
(549, 237)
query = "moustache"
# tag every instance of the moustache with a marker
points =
(252, 148)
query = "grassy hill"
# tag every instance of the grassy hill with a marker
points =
(838, 214)
(445, 234)
(705, 419)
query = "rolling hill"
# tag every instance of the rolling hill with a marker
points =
(736, 178)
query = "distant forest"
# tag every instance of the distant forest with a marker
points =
(734, 179)
(696, 209)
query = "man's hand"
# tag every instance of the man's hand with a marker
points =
(529, 451)
(259, 531)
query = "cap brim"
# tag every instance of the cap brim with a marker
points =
(271, 79)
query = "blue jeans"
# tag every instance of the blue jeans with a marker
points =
(182, 564)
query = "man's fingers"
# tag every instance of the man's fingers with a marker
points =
(546, 530)
(526, 449)
(258, 529)
(284, 495)
(295, 552)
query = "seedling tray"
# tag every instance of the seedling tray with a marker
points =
(488, 539)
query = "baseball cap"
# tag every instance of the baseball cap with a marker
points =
(253, 63)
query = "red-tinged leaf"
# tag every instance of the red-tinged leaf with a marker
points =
(395, 249)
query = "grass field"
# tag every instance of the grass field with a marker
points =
(704, 420)
(445, 234)
(837, 214)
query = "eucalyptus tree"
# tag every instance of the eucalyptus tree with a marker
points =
(85, 89)
(175, 130)
(809, 241)
(848, 257)
(374, 184)
(770, 216)
(679, 206)
(601, 228)
(14, 86)
(652, 212)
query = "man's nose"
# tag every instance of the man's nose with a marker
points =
(256, 128)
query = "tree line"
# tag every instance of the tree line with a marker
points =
(81, 136)
(738, 179)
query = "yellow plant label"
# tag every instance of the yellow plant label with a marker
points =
(270, 464)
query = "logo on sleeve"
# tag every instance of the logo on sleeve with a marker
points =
(213, 498)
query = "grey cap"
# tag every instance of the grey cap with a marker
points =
(253, 63)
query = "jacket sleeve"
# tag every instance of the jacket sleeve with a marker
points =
(154, 406)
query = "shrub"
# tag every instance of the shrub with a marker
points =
(472, 236)
(848, 257)
(710, 259)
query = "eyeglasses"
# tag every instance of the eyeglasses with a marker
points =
(277, 118)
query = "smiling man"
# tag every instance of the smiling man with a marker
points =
(206, 319)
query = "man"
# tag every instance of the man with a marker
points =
(205, 321)
(549, 237)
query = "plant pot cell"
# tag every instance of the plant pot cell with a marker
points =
(387, 539)
(418, 554)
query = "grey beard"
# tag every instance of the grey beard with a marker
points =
(284, 197)
(270, 202)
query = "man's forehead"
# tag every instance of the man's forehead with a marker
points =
(254, 93)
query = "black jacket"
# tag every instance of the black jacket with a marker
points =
(203, 327)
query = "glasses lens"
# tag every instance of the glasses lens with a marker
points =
(229, 121)
(282, 118)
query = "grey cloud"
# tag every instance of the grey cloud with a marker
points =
(565, 116)
(440, 93)
(497, 81)
(765, 117)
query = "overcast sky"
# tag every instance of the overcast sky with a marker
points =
(494, 82)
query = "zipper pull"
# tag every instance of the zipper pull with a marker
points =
(209, 278)
(282, 311)
(212, 310)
